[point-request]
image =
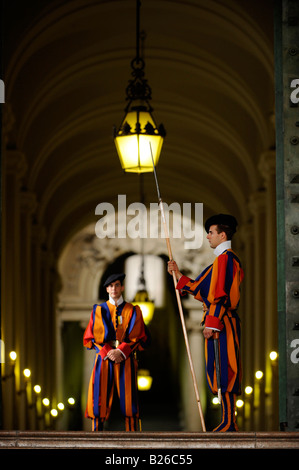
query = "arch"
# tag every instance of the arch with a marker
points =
(86, 260)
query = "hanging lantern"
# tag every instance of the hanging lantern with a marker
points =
(138, 140)
(144, 380)
(146, 305)
(141, 298)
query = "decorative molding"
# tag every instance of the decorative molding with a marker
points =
(148, 440)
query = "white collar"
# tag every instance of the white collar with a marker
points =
(222, 247)
(118, 302)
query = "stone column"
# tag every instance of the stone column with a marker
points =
(193, 315)
(37, 239)
(28, 206)
(47, 314)
(25, 322)
(267, 168)
(257, 207)
(246, 312)
(41, 314)
(14, 167)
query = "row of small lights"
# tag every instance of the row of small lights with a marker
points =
(248, 390)
(37, 389)
(71, 401)
(144, 383)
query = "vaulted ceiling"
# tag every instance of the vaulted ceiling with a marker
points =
(66, 66)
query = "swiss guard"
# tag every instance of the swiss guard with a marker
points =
(218, 287)
(116, 330)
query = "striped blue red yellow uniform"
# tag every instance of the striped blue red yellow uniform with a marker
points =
(103, 329)
(218, 287)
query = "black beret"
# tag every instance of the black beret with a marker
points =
(114, 277)
(221, 219)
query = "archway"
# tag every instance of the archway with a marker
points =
(84, 263)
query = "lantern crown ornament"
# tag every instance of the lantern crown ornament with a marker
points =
(138, 140)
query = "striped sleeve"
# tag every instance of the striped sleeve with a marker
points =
(187, 285)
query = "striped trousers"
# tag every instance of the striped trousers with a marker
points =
(228, 407)
(105, 376)
(230, 369)
(132, 424)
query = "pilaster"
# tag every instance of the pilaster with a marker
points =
(14, 169)
(257, 206)
(193, 316)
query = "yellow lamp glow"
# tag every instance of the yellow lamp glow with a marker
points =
(144, 380)
(37, 388)
(240, 403)
(215, 401)
(259, 374)
(60, 406)
(138, 141)
(54, 413)
(27, 373)
(13, 355)
(71, 401)
(147, 307)
(248, 390)
(46, 401)
(273, 355)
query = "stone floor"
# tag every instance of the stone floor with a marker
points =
(147, 440)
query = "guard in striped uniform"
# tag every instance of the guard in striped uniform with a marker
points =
(116, 330)
(218, 287)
